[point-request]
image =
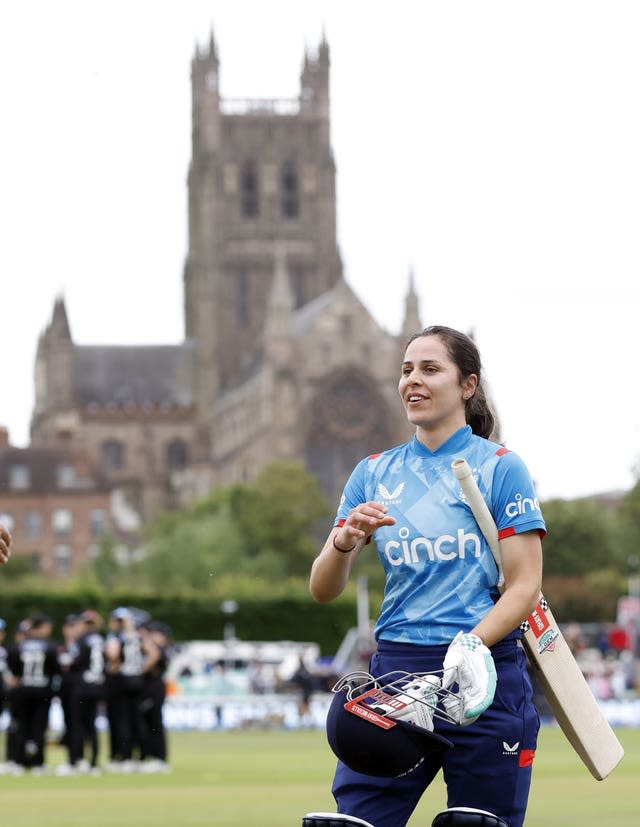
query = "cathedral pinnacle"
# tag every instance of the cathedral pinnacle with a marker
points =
(411, 323)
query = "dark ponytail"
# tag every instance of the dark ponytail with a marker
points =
(465, 354)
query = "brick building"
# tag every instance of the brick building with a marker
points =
(55, 506)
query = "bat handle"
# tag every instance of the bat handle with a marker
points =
(463, 473)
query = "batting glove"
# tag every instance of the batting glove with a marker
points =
(418, 699)
(469, 663)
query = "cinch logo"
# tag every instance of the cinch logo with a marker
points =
(521, 505)
(445, 547)
(390, 496)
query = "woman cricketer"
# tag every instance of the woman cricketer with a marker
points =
(441, 604)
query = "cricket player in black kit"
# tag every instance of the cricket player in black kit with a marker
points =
(88, 690)
(33, 664)
(153, 697)
(128, 659)
(66, 653)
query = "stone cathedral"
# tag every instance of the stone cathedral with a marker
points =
(281, 360)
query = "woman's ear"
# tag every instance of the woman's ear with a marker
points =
(469, 386)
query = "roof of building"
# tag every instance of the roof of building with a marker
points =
(47, 470)
(135, 374)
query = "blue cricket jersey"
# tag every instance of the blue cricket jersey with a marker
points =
(440, 574)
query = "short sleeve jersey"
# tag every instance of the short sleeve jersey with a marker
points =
(440, 574)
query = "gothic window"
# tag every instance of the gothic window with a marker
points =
(347, 421)
(112, 455)
(176, 455)
(243, 314)
(250, 192)
(289, 190)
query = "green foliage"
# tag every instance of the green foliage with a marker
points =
(629, 518)
(589, 599)
(286, 612)
(583, 536)
(104, 569)
(255, 543)
(20, 568)
(276, 517)
(265, 530)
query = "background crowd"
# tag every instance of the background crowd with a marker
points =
(116, 669)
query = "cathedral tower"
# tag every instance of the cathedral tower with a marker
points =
(262, 179)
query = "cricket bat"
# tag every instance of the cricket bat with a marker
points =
(566, 690)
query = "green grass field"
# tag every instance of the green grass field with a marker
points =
(271, 778)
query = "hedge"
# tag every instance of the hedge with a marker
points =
(198, 618)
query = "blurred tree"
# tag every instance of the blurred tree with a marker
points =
(629, 518)
(104, 570)
(583, 537)
(279, 517)
(262, 530)
(20, 567)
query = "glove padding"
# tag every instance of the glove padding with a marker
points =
(421, 698)
(469, 662)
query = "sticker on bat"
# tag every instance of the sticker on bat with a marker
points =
(544, 633)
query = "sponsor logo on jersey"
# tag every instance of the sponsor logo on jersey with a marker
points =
(445, 547)
(510, 749)
(390, 496)
(521, 505)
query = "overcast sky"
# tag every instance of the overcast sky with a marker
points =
(493, 147)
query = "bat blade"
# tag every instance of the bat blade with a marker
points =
(565, 688)
(568, 694)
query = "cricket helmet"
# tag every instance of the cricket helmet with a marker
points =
(364, 727)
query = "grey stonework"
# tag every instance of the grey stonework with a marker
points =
(281, 359)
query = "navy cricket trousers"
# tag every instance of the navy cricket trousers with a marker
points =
(489, 766)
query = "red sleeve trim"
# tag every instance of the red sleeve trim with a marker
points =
(501, 451)
(510, 531)
(373, 456)
(526, 757)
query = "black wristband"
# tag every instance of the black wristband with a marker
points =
(342, 550)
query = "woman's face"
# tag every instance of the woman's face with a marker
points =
(430, 387)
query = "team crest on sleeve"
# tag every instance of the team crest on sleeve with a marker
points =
(390, 496)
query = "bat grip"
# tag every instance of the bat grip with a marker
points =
(464, 475)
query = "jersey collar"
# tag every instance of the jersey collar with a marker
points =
(456, 442)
